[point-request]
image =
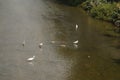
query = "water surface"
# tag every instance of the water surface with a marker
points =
(53, 24)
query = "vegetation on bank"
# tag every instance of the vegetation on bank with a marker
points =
(103, 10)
(108, 10)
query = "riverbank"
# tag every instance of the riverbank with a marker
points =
(106, 11)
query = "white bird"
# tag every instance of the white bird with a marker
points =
(75, 42)
(31, 59)
(76, 26)
(40, 45)
(23, 43)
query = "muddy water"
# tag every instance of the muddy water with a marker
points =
(53, 24)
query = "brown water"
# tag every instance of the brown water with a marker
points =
(37, 21)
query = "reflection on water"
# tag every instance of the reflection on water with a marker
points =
(95, 57)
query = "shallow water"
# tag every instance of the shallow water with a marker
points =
(53, 24)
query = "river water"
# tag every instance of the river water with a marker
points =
(95, 57)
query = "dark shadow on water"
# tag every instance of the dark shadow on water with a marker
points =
(116, 61)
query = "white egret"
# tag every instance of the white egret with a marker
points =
(31, 59)
(40, 45)
(76, 26)
(75, 42)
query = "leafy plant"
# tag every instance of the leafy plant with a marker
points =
(104, 11)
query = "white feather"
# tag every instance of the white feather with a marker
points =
(75, 42)
(40, 45)
(76, 26)
(31, 59)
